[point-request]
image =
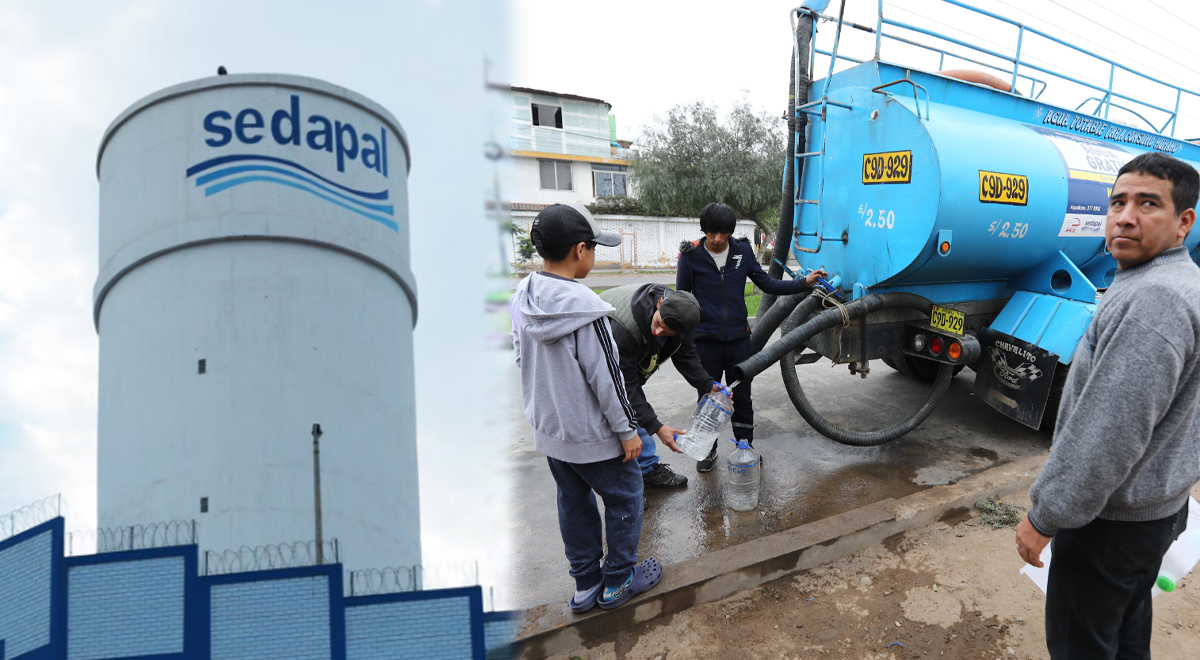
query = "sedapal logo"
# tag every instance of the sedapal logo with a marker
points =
(346, 146)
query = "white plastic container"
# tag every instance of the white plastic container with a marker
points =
(1182, 556)
(713, 410)
(742, 471)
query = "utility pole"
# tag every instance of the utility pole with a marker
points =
(316, 434)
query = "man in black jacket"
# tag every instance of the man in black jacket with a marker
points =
(715, 268)
(650, 324)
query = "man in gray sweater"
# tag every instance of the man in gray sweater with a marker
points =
(1113, 493)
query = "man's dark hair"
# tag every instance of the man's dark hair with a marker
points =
(717, 218)
(1185, 182)
(558, 252)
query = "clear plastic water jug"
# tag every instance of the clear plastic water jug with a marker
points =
(742, 477)
(713, 410)
(1182, 556)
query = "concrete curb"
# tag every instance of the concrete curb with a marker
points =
(552, 628)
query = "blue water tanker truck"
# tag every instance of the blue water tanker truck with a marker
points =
(961, 220)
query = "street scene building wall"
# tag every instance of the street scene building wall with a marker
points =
(564, 149)
(154, 603)
(646, 242)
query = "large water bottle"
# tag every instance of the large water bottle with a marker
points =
(713, 410)
(742, 477)
(1183, 554)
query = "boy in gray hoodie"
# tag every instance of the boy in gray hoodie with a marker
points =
(575, 399)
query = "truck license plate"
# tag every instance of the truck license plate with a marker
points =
(948, 320)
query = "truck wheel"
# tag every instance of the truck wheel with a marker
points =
(925, 371)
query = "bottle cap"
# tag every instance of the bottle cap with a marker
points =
(1165, 583)
(743, 445)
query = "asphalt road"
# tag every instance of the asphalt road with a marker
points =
(807, 476)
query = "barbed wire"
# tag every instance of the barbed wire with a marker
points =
(376, 581)
(132, 537)
(268, 557)
(30, 516)
(372, 581)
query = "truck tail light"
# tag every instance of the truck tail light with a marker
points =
(954, 351)
(935, 346)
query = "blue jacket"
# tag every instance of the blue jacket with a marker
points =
(722, 292)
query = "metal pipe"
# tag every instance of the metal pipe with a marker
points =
(316, 435)
(837, 37)
(878, 29)
(952, 40)
(803, 25)
(1175, 117)
(1097, 87)
(968, 7)
(1017, 59)
(968, 59)
(1112, 70)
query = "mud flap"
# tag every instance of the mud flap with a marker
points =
(1014, 376)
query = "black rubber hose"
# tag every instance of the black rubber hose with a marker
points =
(795, 337)
(769, 321)
(783, 234)
(757, 363)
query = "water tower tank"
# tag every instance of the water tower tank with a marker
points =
(254, 281)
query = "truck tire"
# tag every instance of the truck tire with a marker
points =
(925, 371)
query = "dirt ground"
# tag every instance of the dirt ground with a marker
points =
(949, 590)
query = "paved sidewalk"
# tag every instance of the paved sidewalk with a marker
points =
(946, 590)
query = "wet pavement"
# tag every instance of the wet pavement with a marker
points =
(807, 476)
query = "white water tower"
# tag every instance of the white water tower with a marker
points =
(254, 281)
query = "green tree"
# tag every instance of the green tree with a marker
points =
(692, 157)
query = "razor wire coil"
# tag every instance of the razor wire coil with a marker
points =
(30, 516)
(132, 537)
(269, 557)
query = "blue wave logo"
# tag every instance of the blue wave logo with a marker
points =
(227, 174)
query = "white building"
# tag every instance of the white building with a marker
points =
(565, 149)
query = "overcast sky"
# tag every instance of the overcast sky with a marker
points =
(644, 57)
(69, 67)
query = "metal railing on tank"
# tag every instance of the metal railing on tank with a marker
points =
(1105, 103)
(269, 557)
(1018, 60)
(30, 516)
(133, 537)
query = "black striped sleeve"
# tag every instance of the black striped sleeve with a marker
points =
(614, 367)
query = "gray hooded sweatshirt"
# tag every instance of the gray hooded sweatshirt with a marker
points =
(570, 372)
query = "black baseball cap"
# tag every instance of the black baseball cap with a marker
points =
(680, 311)
(568, 224)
